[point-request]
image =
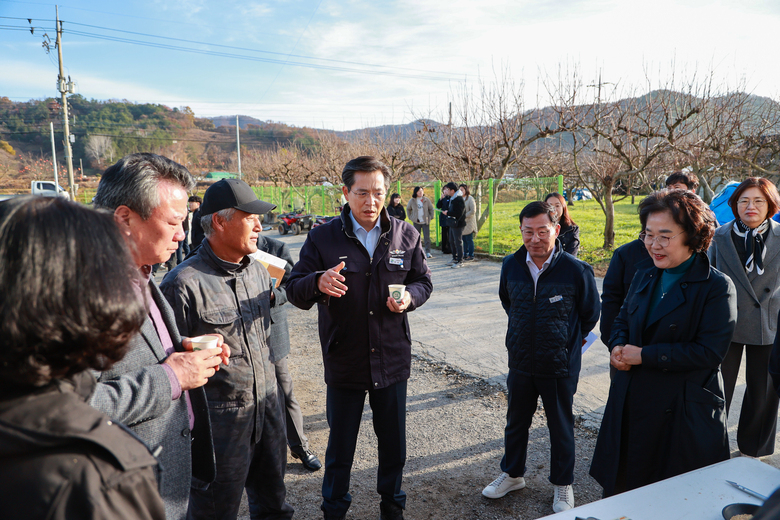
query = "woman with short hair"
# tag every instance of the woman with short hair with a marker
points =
(747, 249)
(569, 235)
(68, 304)
(665, 414)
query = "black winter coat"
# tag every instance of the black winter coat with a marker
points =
(61, 459)
(279, 339)
(457, 210)
(569, 237)
(396, 211)
(197, 234)
(622, 268)
(667, 416)
(444, 205)
(546, 326)
(364, 344)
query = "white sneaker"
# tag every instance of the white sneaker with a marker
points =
(451, 262)
(427, 255)
(563, 499)
(503, 485)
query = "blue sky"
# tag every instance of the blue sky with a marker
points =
(351, 64)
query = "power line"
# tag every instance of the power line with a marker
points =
(387, 70)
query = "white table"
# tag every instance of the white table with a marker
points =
(701, 494)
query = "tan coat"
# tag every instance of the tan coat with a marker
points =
(411, 210)
(471, 216)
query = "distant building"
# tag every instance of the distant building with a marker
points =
(221, 175)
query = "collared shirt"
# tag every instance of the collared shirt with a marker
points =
(165, 339)
(369, 239)
(535, 271)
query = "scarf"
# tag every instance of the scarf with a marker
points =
(754, 244)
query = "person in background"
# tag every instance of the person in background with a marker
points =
(746, 249)
(59, 457)
(570, 231)
(443, 204)
(193, 203)
(457, 218)
(157, 389)
(421, 213)
(196, 232)
(470, 231)
(279, 343)
(552, 303)
(665, 414)
(683, 181)
(395, 208)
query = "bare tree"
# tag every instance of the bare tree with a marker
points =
(99, 148)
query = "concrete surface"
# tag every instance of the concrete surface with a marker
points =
(463, 325)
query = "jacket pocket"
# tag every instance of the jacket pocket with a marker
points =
(225, 321)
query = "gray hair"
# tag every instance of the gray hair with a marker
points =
(205, 220)
(366, 164)
(133, 182)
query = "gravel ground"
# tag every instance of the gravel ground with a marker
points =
(454, 445)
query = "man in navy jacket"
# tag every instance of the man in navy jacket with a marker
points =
(552, 302)
(345, 267)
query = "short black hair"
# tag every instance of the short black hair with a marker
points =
(688, 211)
(365, 164)
(536, 208)
(66, 291)
(195, 198)
(451, 186)
(689, 179)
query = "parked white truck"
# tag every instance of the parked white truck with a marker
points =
(42, 188)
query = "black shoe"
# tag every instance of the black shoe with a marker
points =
(308, 459)
(390, 511)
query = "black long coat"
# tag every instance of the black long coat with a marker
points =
(668, 414)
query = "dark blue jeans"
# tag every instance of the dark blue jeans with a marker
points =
(557, 398)
(344, 411)
(468, 245)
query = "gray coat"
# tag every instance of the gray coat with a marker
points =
(136, 391)
(758, 297)
(279, 339)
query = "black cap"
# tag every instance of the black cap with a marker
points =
(233, 193)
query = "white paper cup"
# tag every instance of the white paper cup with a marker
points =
(397, 292)
(204, 342)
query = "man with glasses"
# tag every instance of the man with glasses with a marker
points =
(552, 303)
(346, 267)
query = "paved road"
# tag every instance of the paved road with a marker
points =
(463, 325)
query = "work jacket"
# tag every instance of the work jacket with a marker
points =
(547, 323)
(364, 344)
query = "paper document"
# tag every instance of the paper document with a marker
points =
(588, 341)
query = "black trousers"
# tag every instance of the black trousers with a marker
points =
(557, 398)
(241, 463)
(456, 243)
(445, 240)
(758, 417)
(344, 412)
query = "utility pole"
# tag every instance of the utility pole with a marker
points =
(238, 147)
(54, 161)
(65, 88)
(598, 109)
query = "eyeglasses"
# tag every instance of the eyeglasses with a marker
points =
(541, 235)
(362, 194)
(661, 240)
(758, 203)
